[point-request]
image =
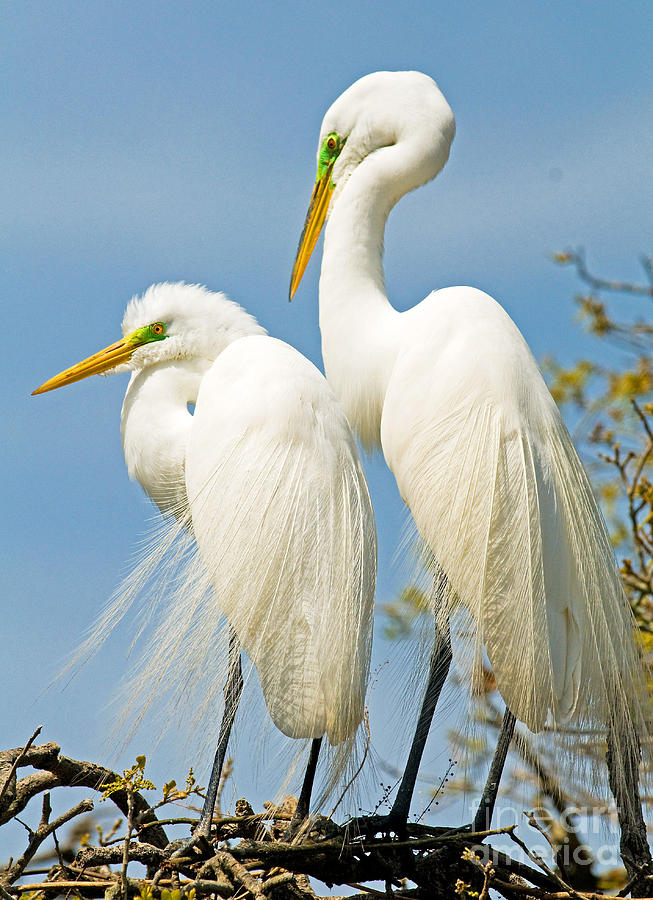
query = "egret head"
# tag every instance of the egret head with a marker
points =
(168, 322)
(401, 110)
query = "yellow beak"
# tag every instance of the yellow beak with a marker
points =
(108, 358)
(315, 218)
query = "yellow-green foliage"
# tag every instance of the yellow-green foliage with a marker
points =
(177, 895)
(631, 382)
(132, 780)
(171, 793)
(569, 385)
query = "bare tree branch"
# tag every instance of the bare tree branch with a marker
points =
(62, 770)
(577, 259)
(44, 830)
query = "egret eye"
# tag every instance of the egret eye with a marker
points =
(158, 328)
(329, 152)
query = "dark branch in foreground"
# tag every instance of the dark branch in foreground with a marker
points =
(245, 856)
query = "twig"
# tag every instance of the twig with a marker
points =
(577, 258)
(370, 891)
(224, 775)
(642, 417)
(532, 821)
(528, 891)
(62, 863)
(238, 873)
(16, 763)
(125, 849)
(43, 831)
(540, 862)
(99, 856)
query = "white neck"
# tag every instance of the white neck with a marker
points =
(155, 427)
(360, 329)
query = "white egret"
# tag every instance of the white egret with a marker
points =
(452, 394)
(266, 476)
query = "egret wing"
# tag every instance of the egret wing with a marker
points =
(497, 491)
(283, 521)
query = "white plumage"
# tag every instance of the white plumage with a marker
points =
(266, 477)
(452, 394)
(487, 468)
(282, 518)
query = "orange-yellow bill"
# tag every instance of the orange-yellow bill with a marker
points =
(105, 359)
(315, 218)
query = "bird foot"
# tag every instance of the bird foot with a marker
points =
(392, 824)
(373, 826)
(296, 828)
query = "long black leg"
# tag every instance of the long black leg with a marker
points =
(438, 670)
(622, 757)
(483, 817)
(304, 802)
(232, 690)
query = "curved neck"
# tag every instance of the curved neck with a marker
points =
(352, 261)
(358, 324)
(155, 426)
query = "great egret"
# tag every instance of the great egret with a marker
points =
(266, 476)
(450, 391)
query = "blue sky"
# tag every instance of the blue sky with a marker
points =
(150, 141)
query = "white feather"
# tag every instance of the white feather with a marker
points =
(481, 456)
(496, 490)
(267, 523)
(281, 514)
